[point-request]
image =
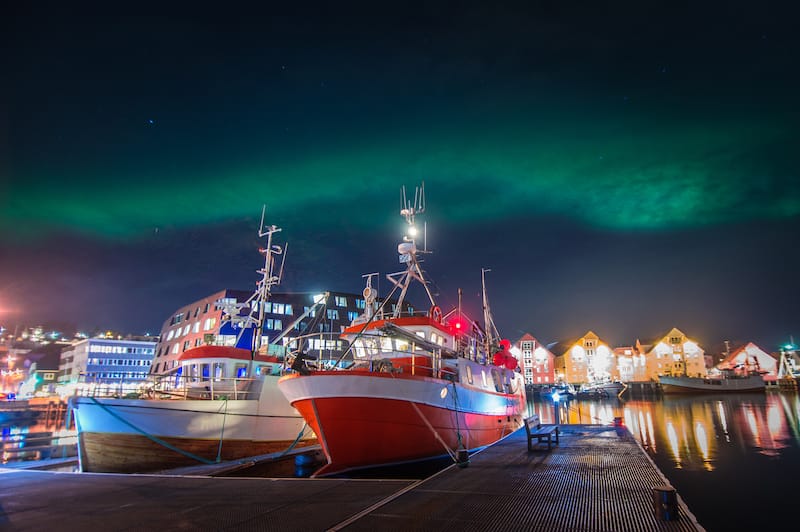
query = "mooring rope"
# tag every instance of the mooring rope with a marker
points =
(222, 432)
(451, 453)
(297, 439)
(455, 406)
(151, 437)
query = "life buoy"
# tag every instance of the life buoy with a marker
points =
(435, 313)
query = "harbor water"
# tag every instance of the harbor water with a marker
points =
(732, 458)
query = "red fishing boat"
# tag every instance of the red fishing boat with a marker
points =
(412, 385)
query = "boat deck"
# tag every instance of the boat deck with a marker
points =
(598, 478)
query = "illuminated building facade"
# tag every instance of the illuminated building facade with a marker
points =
(751, 358)
(587, 360)
(204, 322)
(536, 362)
(106, 363)
(674, 354)
(628, 360)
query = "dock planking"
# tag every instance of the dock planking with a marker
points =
(597, 478)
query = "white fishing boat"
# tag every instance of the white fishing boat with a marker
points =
(221, 403)
(727, 381)
(419, 386)
(601, 390)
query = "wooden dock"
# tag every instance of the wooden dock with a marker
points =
(598, 478)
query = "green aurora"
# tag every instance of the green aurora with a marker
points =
(627, 177)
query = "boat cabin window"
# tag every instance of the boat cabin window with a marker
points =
(402, 345)
(193, 372)
(483, 378)
(386, 344)
(219, 371)
(206, 372)
(241, 371)
(498, 380)
(469, 374)
(510, 382)
(364, 347)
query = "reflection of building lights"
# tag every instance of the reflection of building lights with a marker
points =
(651, 431)
(723, 421)
(672, 437)
(774, 421)
(701, 436)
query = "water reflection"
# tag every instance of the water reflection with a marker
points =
(692, 429)
(37, 438)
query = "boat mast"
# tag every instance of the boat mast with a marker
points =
(492, 334)
(255, 318)
(268, 278)
(408, 250)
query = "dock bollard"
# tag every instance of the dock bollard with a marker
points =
(665, 503)
(462, 458)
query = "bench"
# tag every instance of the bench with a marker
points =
(541, 433)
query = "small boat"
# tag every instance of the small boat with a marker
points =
(727, 381)
(561, 392)
(418, 387)
(221, 403)
(601, 390)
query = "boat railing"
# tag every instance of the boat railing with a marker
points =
(188, 387)
(177, 387)
(380, 356)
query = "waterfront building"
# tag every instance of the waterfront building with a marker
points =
(286, 316)
(40, 369)
(673, 354)
(587, 360)
(105, 365)
(749, 357)
(536, 362)
(628, 360)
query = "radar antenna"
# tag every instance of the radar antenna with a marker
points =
(408, 249)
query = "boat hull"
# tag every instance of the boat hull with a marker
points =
(369, 420)
(144, 435)
(675, 385)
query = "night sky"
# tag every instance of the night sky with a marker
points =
(622, 167)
